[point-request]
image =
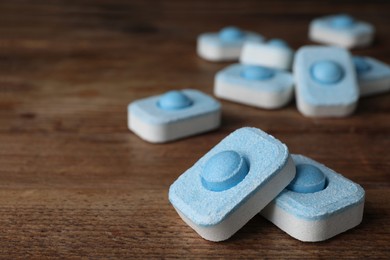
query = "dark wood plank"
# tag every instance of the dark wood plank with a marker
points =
(74, 182)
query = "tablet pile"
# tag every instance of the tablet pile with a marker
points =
(250, 172)
(326, 84)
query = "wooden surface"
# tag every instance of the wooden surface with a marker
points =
(74, 182)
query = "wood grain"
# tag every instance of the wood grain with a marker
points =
(75, 183)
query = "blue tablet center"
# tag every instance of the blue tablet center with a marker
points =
(327, 72)
(257, 73)
(224, 170)
(278, 43)
(361, 65)
(231, 33)
(174, 100)
(342, 21)
(308, 179)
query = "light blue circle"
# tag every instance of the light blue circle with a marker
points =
(278, 43)
(257, 73)
(174, 100)
(327, 72)
(224, 170)
(342, 21)
(231, 33)
(361, 65)
(308, 179)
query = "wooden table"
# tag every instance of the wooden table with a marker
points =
(76, 183)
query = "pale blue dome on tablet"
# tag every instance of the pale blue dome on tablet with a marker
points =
(308, 179)
(224, 170)
(231, 33)
(342, 21)
(278, 43)
(256, 73)
(361, 65)
(174, 100)
(327, 72)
